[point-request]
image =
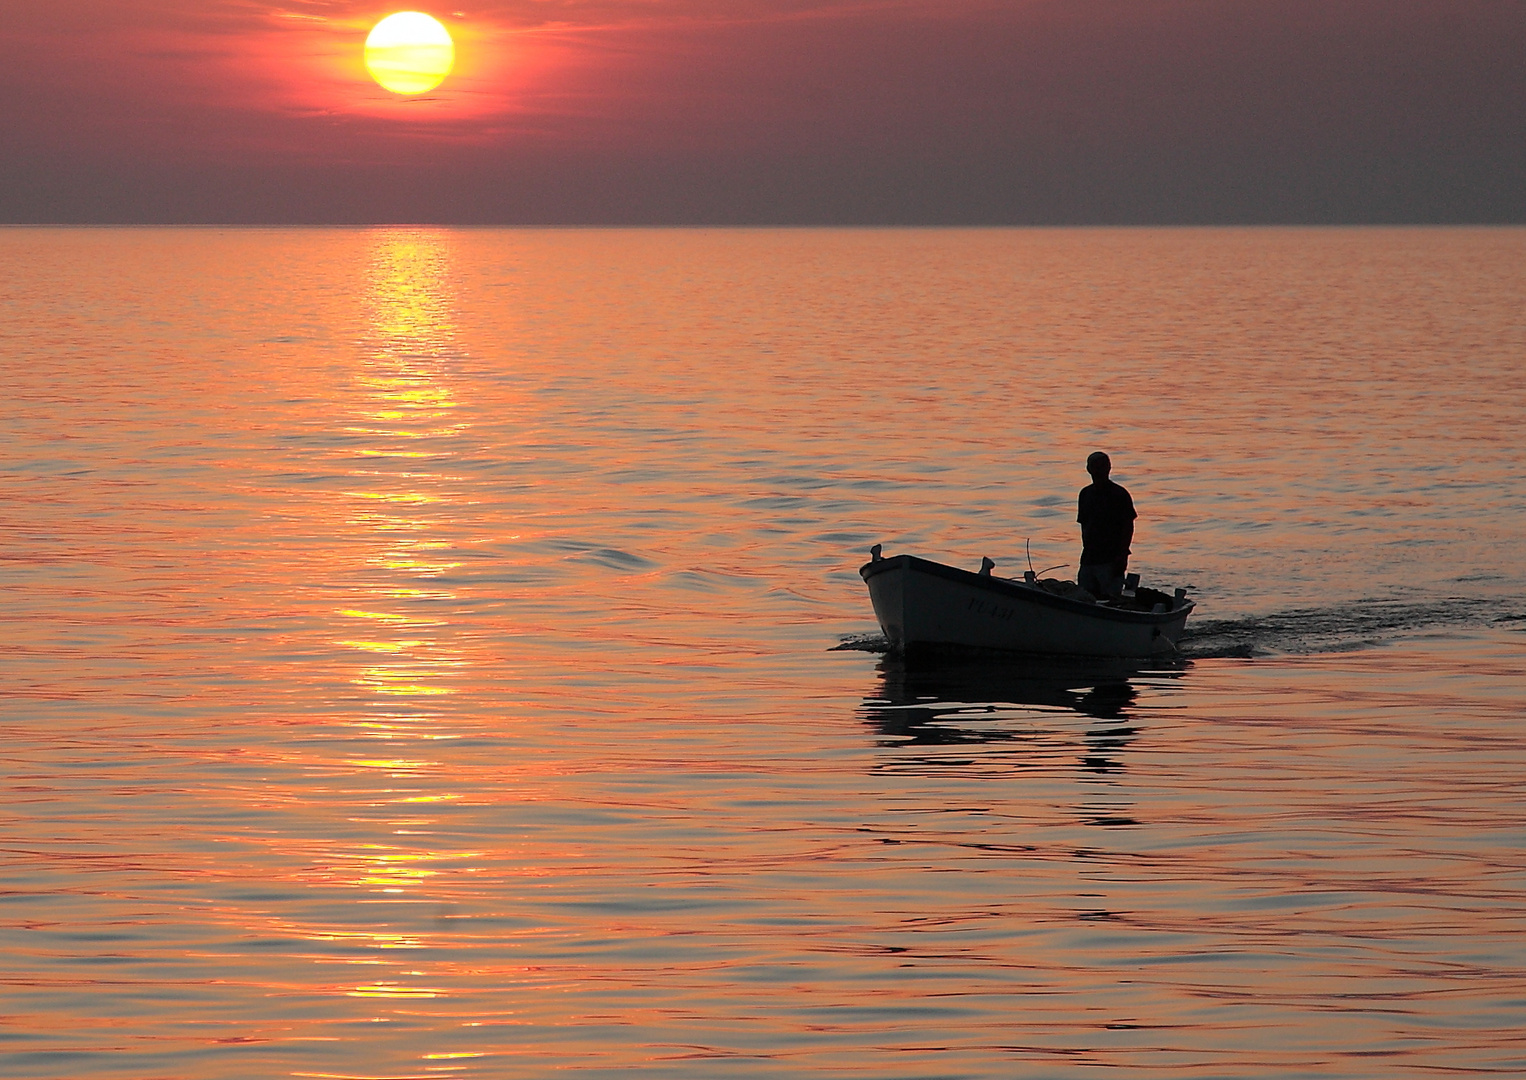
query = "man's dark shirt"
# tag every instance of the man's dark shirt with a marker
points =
(1106, 514)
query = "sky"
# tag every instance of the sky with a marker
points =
(770, 112)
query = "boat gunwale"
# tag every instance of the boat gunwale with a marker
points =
(1021, 590)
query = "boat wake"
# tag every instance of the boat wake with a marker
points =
(1345, 628)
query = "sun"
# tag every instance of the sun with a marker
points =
(409, 53)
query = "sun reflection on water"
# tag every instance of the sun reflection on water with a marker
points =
(398, 511)
(408, 413)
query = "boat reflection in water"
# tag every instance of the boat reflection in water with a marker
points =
(1058, 727)
(950, 700)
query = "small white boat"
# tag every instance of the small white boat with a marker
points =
(921, 603)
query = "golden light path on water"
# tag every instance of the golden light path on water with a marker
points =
(405, 408)
(416, 655)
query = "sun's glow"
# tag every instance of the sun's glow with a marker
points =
(409, 53)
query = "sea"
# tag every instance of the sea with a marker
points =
(433, 653)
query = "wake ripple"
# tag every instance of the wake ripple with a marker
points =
(1341, 628)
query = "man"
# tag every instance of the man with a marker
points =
(1106, 513)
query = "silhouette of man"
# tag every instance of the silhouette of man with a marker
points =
(1106, 513)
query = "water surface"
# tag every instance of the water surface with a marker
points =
(417, 654)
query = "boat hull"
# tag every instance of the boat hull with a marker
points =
(920, 603)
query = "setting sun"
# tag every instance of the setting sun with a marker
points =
(409, 52)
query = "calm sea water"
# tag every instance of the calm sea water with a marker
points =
(418, 655)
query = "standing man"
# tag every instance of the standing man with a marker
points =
(1106, 513)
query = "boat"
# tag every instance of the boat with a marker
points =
(923, 604)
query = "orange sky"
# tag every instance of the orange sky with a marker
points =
(771, 111)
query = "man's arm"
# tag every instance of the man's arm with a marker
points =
(1127, 533)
